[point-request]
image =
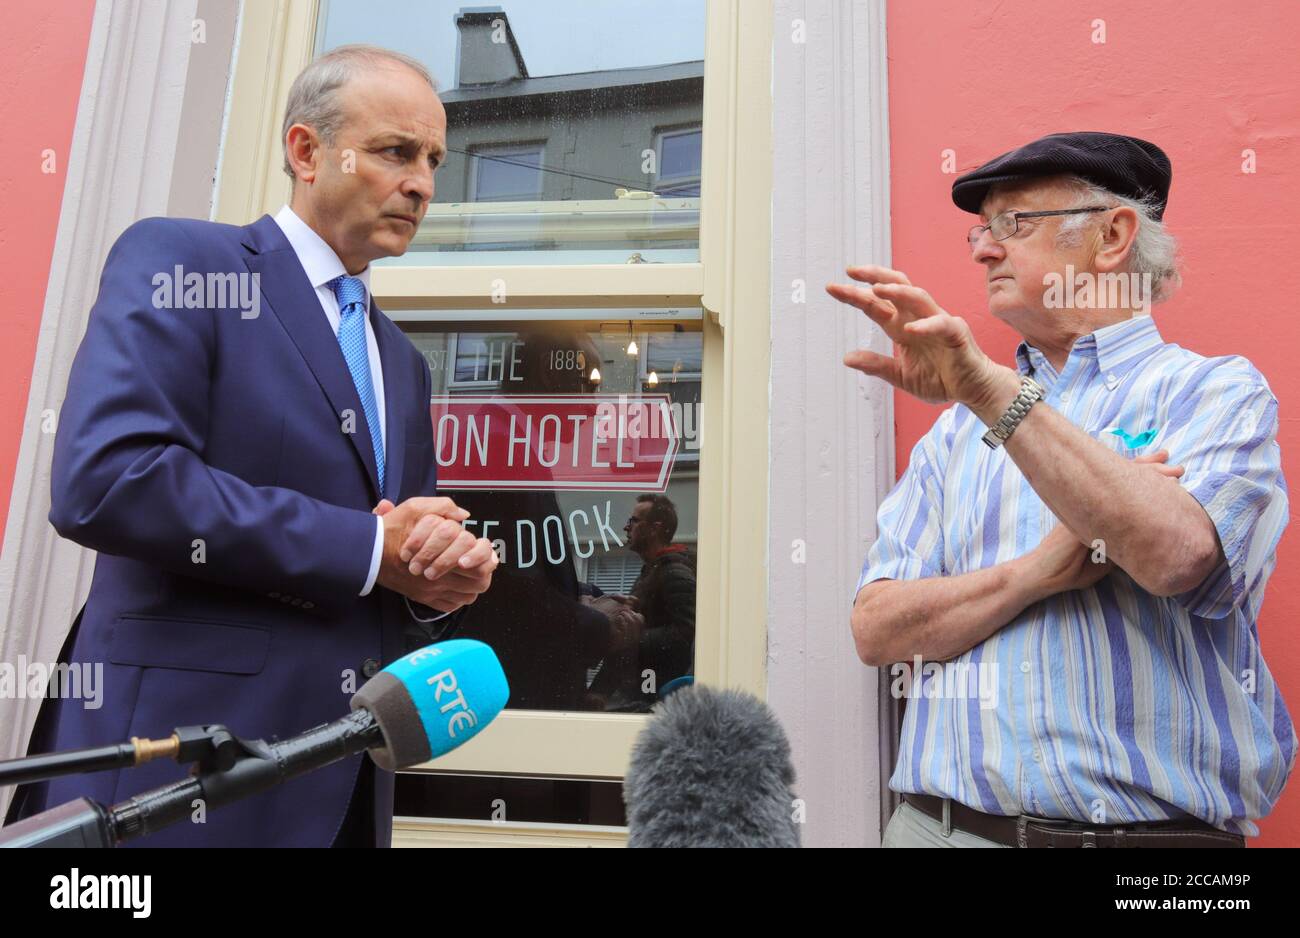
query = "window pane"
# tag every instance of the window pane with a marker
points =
(580, 462)
(505, 173)
(573, 125)
(673, 353)
(681, 155)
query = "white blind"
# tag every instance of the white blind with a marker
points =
(614, 573)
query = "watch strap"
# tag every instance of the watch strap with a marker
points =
(1030, 392)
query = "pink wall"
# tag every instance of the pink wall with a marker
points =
(1201, 79)
(43, 47)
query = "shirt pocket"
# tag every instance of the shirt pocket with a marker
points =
(1134, 431)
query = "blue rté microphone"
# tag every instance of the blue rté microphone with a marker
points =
(433, 700)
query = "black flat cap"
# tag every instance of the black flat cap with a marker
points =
(1125, 165)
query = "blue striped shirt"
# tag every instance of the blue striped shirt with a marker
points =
(1107, 704)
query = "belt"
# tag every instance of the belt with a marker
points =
(1027, 831)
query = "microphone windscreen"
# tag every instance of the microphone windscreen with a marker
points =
(712, 768)
(431, 701)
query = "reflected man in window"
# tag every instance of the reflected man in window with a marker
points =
(663, 647)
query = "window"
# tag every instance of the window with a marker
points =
(674, 367)
(503, 174)
(614, 573)
(480, 359)
(584, 474)
(592, 79)
(679, 163)
(587, 268)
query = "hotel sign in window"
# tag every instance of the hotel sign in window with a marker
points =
(575, 447)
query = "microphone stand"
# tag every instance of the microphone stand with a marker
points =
(228, 768)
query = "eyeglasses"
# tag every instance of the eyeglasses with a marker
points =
(1005, 225)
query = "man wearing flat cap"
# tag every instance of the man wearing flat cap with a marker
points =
(1085, 536)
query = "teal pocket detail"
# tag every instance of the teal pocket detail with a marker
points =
(1133, 442)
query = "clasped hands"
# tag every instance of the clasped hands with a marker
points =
(429, 557)
(625, 620)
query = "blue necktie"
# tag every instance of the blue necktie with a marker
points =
(351, 293)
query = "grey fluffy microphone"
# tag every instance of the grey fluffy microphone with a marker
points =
(712, 769)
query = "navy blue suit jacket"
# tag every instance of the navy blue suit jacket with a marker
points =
(199, 425)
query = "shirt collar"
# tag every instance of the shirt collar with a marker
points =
(1117, 347)
(317, 258)
(1030, 361)
(1124, 344)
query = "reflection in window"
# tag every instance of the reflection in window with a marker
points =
(589, 490)
(483, 360)
(672, 366)
(507, 173)
(563, 117)
(679, 163)
(675, 354)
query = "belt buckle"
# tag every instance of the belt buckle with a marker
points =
(1022, 824)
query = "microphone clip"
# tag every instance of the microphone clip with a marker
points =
(212, 746)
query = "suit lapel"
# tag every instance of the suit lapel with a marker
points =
(292, 298)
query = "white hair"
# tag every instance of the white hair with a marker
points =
(314, 95)
(1154, 251)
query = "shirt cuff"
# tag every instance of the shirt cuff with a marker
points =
(419, 618)
(376, 555)
(893, 568)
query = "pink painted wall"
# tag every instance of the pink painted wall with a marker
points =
(1204, 81)
(43, 46)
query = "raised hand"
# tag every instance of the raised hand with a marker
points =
(936, 358)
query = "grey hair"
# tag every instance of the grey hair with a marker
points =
(314, 99)
(1155, 250)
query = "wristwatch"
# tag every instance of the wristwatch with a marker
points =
(1000, 432)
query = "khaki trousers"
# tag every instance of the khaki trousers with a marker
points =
(910, 828)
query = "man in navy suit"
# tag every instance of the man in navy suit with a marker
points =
(252, 457)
